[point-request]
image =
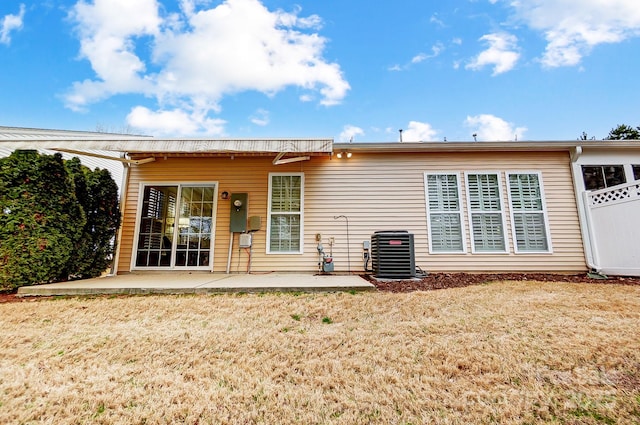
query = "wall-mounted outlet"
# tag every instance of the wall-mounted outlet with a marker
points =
(245, 240)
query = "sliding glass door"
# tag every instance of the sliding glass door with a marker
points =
(176, 227)
(195, 226)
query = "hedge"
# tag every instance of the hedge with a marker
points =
(58, 221)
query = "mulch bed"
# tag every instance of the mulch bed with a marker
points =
(434, 281)
(12, 298)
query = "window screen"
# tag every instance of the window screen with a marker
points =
(444, 213)
(528, 213)
(285, 213)
(486, 212)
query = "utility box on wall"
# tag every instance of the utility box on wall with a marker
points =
(254, 223)
(238, 214)
(393, 254)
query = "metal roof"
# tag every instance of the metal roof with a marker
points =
(12, 138)
(485, 146)
(21, 138)
(89, 159)
(174, 145)
(21, 133)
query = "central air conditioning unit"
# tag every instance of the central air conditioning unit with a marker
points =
(393, 254)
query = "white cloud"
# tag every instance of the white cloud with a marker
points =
(349, 132)
(437, 21)
(306, 98)
(573, 27)
(11, 23)
(419, 132)
(502, 53)
(436, 49)
(107, 30)
(491, 128)
(174, 122)
(420, 57)
(260, 117)
(199, 55)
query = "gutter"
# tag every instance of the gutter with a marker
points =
(95, 155)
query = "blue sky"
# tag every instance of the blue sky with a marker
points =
(349, 70)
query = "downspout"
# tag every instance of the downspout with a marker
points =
(591, 256)
(123, 197)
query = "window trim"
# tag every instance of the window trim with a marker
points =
(470, 212)
(269, 214)
(460, 212)
(544, 212)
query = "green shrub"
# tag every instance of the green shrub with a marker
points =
(57, 221)
(40, 219)
(97, 194)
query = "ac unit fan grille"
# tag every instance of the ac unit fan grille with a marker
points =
(393, 255)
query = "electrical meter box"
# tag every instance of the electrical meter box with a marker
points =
(238, 214)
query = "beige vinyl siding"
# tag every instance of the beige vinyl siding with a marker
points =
(376, 192)
(386, 192)
(239, 175)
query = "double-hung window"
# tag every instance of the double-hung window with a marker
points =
(444, 213)
(529, 222)
(284, 233)
(486, 212)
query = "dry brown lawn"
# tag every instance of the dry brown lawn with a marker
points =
(508, 353)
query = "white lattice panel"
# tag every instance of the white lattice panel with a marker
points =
(620, 193)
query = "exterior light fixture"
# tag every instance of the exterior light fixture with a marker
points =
(345, 154)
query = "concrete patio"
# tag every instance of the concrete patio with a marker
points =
(199, 282)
